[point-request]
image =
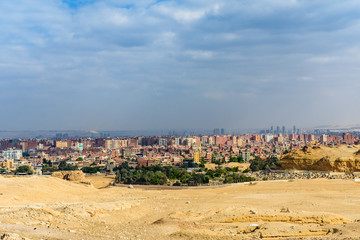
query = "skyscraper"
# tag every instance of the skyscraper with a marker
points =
(163, 142)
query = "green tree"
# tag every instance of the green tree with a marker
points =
(90, 169)
(240, 159)
(63, 166)
(24, 169)
(258, 164)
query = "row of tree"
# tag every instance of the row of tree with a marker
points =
(259, 164)
(159, 175)
(164, 174)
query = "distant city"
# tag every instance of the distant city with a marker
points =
(51, 134)
(107, 150)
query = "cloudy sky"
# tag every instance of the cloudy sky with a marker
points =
(147, 64)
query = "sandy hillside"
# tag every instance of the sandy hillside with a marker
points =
(337, 158)
(51, 208)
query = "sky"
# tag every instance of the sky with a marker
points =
(175, 64)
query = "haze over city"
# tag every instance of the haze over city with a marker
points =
(130, 65)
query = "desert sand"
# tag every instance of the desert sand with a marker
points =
(44, 207)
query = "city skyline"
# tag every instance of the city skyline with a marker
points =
(269, 130)
(178, 64)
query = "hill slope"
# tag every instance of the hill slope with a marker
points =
(324, 158)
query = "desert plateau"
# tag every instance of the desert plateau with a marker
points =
(45, 207)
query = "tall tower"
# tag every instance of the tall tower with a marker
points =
(197, 155)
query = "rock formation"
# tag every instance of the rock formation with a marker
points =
(70, 175)
(324, 158)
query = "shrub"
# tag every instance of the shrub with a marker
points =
(177, 183)
(24, 169)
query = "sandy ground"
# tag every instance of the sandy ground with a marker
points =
(50, 208)
(101, 181)
(241, 166)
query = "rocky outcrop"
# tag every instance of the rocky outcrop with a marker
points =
(334, 159)
(70, 175)
(12, 236)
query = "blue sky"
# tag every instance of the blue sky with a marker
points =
(77, 3)
(146, 64)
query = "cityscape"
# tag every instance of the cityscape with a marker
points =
(106, 152)
(179, 120)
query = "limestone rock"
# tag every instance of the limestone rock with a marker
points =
(12, 236)
(324, 158)
(70, 175)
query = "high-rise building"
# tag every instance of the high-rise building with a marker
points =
(323, 138)
(216, 131)
(294, 129)
(61, 144)
(222, 131)
(204, 140)
(220, 140)
(116, 143)
(283, 130)
(348, 138)
(12, 154)
(80, 146)
(163, 142)
(234, 141)
(245, 156)
(269, 137)
(140, 141)
(58, 136)
(24, 146)
(197, 157)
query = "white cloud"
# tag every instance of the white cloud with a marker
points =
(198, 54)
(230, 36)
(127, 55)
(165, 39)
(180, 15)
(304, 78)
(187, 15)
(322, 59)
